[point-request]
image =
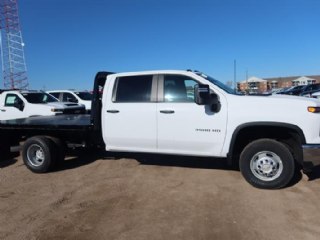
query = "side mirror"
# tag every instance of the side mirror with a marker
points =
(201, 94)
(215, 104)
(204, 97)
(18, 103)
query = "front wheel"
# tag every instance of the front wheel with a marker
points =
(266, 163)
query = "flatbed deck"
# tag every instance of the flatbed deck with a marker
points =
(59, 122)
(72, 128)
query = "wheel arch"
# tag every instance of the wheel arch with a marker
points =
(284, 132)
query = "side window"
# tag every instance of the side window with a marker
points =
(134, 89)
(68, 97)
(10, 99)
(178, 88)
(55, 94)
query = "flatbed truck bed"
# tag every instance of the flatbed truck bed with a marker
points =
(60, 122)
(45, 138)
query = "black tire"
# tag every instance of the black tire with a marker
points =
(39, 154)
(267, 164)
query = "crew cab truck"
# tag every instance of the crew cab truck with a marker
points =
(29, 103)
(182, 113)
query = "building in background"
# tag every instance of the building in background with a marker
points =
(259, 85)
(303, 81)
(253, 85)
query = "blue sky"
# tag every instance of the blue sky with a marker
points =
(68, 41)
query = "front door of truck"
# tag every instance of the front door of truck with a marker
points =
(129, 114)
(183, 126)
(8, 110)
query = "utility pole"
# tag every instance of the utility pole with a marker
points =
(14, 71)
(235, 74)
(247, 81)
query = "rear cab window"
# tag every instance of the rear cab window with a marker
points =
(133, 89)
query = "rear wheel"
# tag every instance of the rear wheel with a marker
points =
(266, 163)
(39, 154)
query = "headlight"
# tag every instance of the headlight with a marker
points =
(56, 110)
(314, 109)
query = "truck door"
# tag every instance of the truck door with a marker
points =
(129, 115)
(9, 110)
(183, 126)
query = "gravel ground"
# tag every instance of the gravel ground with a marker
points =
(151, 197)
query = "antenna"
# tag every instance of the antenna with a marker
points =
(14, 71)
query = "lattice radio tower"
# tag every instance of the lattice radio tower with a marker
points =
(14, 71)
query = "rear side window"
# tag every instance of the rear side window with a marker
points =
(134, 89)
(68, 97)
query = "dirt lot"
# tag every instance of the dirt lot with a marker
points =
(151, 197)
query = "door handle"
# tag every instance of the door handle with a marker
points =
(113, 111)
(167, 111)
(2, 110)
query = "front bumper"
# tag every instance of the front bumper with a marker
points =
(311, 152)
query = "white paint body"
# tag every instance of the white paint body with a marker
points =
(141, 127)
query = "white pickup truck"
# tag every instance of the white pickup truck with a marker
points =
(180, 113)
(81, 97)
(27, 103)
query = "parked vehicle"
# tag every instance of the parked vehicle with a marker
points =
(276, 90)
(308, 90)
(81, 97)
(153, 112)
(295, 90)
(316, 95)
(16, 104)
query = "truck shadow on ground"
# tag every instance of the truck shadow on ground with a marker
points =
(77, 159)
(81, 158)
(183, 161)
(8, 160)
(314, 173)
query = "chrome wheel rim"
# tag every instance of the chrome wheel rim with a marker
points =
(266, 166)
(35, 155)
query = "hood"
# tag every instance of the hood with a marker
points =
(273, 108)
(278, 99)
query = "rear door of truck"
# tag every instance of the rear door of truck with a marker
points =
(129, 116)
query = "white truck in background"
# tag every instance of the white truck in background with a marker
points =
(81, 97)
(16, 104)
(180, 113)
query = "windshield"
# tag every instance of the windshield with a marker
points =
(39, 97)
(218, 83)
(87, 96)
